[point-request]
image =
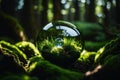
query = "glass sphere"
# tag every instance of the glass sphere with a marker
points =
(60, 42)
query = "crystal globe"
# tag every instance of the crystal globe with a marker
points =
(60, 42)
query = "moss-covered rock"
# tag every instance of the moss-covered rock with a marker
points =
(11, 67)
(9, 63)
(109, 71)
(108, 57)
(12, 49)
(107, 51)
(35, 68)
(87, 56)
(28, 48)
(85, 62)
(44, 70)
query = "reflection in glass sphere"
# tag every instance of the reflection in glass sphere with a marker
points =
(60, 42)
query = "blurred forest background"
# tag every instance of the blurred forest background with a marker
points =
(98, 20)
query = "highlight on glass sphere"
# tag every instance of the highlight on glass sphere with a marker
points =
(60, 42)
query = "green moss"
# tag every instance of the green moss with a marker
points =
(85, 62)
(10, 63)
(33, 60)
(28, 48)
(44, 70)
(111, 48)
(87, 56)
(12, 49)
(36, 68)
(18, 77)
(110, 69)
(98, 54)
(113, 62)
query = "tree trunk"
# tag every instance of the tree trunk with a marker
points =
(118, 12)
(44, 18)
(90, 11)
(77, 10)
(105, 12)
(57, 6)
(28, 19)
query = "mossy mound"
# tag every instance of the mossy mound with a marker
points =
(35, 68)
(44, 70)
(110, 49)
(107, 63)
(85, 62)
(10, 63)
(12, 49)
(28, 48)
(109, 71)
